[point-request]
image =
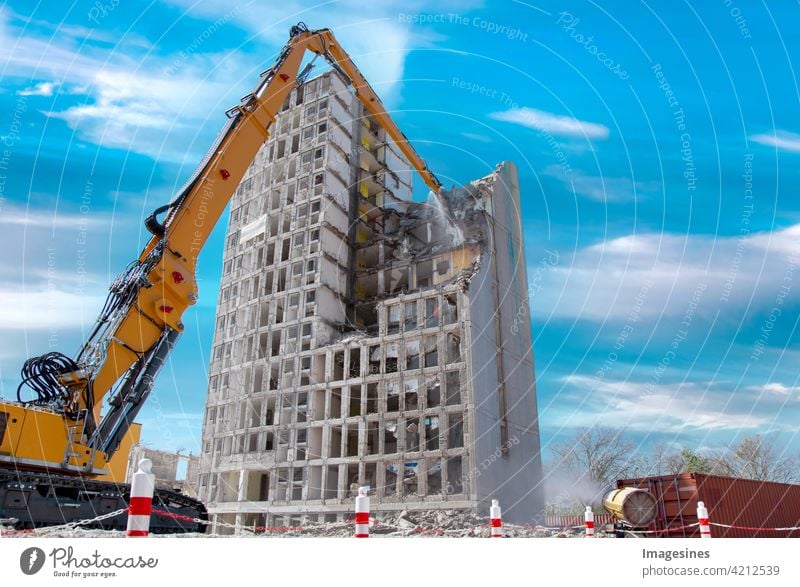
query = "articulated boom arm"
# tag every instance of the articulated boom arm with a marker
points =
(142, 320)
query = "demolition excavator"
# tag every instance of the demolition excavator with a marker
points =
(63, 443)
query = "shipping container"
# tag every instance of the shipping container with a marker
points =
(754, 507)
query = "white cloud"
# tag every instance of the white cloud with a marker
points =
(372, 33)
(160, 105)
(80, 35)
(54, 272)
(157, 112)
(778, 389)
(41, 89)
(154, 105)
(30, 56)
(780, 139)
(604, 281)
(16, 216)
(126, 108)
(601, 188)
(785, 242)
(668, 408)
(476, 137)
(554, 124)
(48, 307)
(377, 35)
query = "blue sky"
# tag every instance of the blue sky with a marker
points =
(658, 149)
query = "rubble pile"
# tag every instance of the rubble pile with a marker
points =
(440, 523)
(450, 523)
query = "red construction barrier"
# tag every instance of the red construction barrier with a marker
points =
(702, 518)
(141, 501)
(362, 513)
(496, 520)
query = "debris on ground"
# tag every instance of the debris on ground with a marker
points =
(435, 523)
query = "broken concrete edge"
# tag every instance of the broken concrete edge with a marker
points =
(461, 215)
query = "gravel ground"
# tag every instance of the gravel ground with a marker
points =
(434, 524)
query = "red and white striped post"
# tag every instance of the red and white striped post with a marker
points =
(496, 519)
(588, 520)
(362, 513)
(141, 501)
(702, 517)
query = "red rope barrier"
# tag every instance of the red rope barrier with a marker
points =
(752, 529)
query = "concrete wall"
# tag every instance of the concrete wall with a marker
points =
(501, 344)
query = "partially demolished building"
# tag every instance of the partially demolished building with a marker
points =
(365, 339)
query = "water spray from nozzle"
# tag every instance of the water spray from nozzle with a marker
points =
(444, 214)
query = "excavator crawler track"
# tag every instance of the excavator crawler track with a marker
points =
(37, 500)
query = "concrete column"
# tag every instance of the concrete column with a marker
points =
(239, 523)
(344, 486)
(362, 438)
(242, 489)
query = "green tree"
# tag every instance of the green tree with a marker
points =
(694, 462)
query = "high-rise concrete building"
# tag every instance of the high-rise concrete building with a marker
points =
(363, 339)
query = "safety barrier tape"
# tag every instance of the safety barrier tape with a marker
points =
(414, 530)
(68, 526)
(183, 518)
(748, 528)
(791, 529)
(564, 529)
